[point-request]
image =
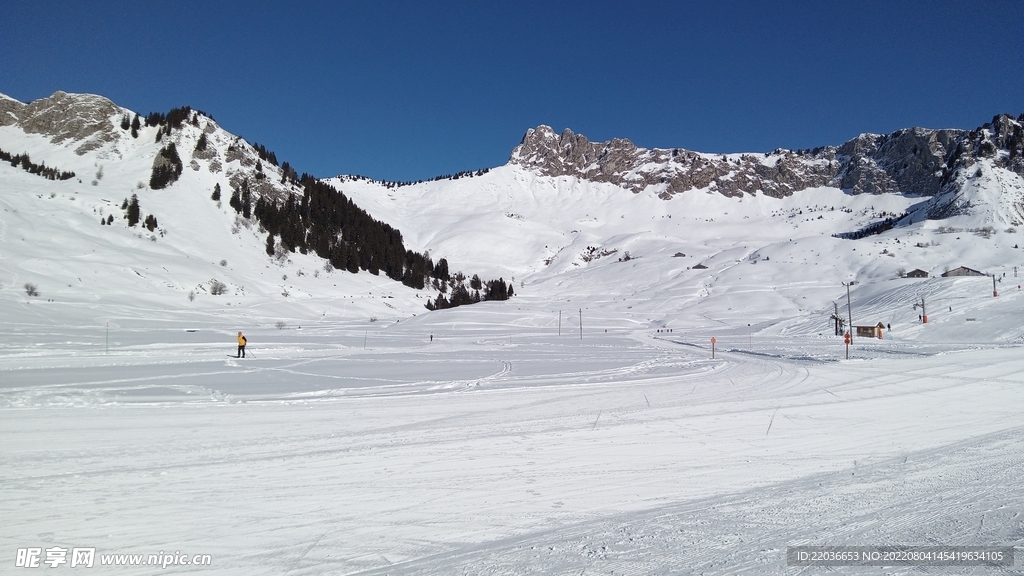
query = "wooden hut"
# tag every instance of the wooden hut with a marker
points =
(870, 331)
(961, 271)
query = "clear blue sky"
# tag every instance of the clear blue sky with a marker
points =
(410, 90)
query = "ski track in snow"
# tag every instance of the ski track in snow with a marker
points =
(503, 451)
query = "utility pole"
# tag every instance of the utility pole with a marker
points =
(849, 308)
(924, 311)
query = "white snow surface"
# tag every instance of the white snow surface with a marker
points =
(366, 435)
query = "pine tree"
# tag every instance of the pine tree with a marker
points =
(246, 201)
(166, 168)
(133, 211)
(216, 192)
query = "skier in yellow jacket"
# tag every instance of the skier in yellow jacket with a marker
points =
(241, 346)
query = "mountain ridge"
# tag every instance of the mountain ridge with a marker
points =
(552, 236)
(913, 161)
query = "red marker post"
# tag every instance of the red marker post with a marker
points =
(846, 339)
(713, 347)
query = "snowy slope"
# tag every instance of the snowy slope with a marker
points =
(768, 260)
(580, 427)
(52, 236)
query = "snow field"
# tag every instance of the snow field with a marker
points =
(492, 444)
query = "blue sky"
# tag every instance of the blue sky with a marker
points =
(410, 90)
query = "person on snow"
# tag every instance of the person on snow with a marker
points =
(241, 346)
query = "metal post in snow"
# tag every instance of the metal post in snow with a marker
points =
(581, 323)
(559, 322)
(107, 350)
(994, 291)
(849, 308)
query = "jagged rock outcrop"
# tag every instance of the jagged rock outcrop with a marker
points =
(83, 118)
(913, 161)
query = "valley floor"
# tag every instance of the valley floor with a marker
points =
(499, 447)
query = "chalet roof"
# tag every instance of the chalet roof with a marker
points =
(962, 271)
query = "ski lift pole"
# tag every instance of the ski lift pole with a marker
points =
(849, 309)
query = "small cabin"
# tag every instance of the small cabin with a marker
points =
(961, 271)
(918, 273)
(870, 331)
(700, 267)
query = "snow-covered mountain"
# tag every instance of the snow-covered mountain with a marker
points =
(564, 213)
(585, 425)
(668, 234)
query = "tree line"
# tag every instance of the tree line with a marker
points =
(873, 228)
(31, 167)
(326, 222)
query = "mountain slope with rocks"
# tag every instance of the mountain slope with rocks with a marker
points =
(564, 216)
(914, 161)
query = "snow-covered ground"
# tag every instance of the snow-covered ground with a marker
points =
(365, 435)
(502, 447)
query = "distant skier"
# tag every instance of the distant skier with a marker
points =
(241, 346)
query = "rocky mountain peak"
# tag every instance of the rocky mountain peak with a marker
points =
(915, 161)
(85, 119)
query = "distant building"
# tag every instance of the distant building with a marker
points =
(870, 331)
(961, 271)
(700, 267)
(918, 273)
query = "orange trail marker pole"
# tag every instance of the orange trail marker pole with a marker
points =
(713, 340)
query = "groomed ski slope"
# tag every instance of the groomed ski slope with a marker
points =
(505, 448)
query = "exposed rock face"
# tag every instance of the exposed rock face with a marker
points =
(84, 118)
(913, 161)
